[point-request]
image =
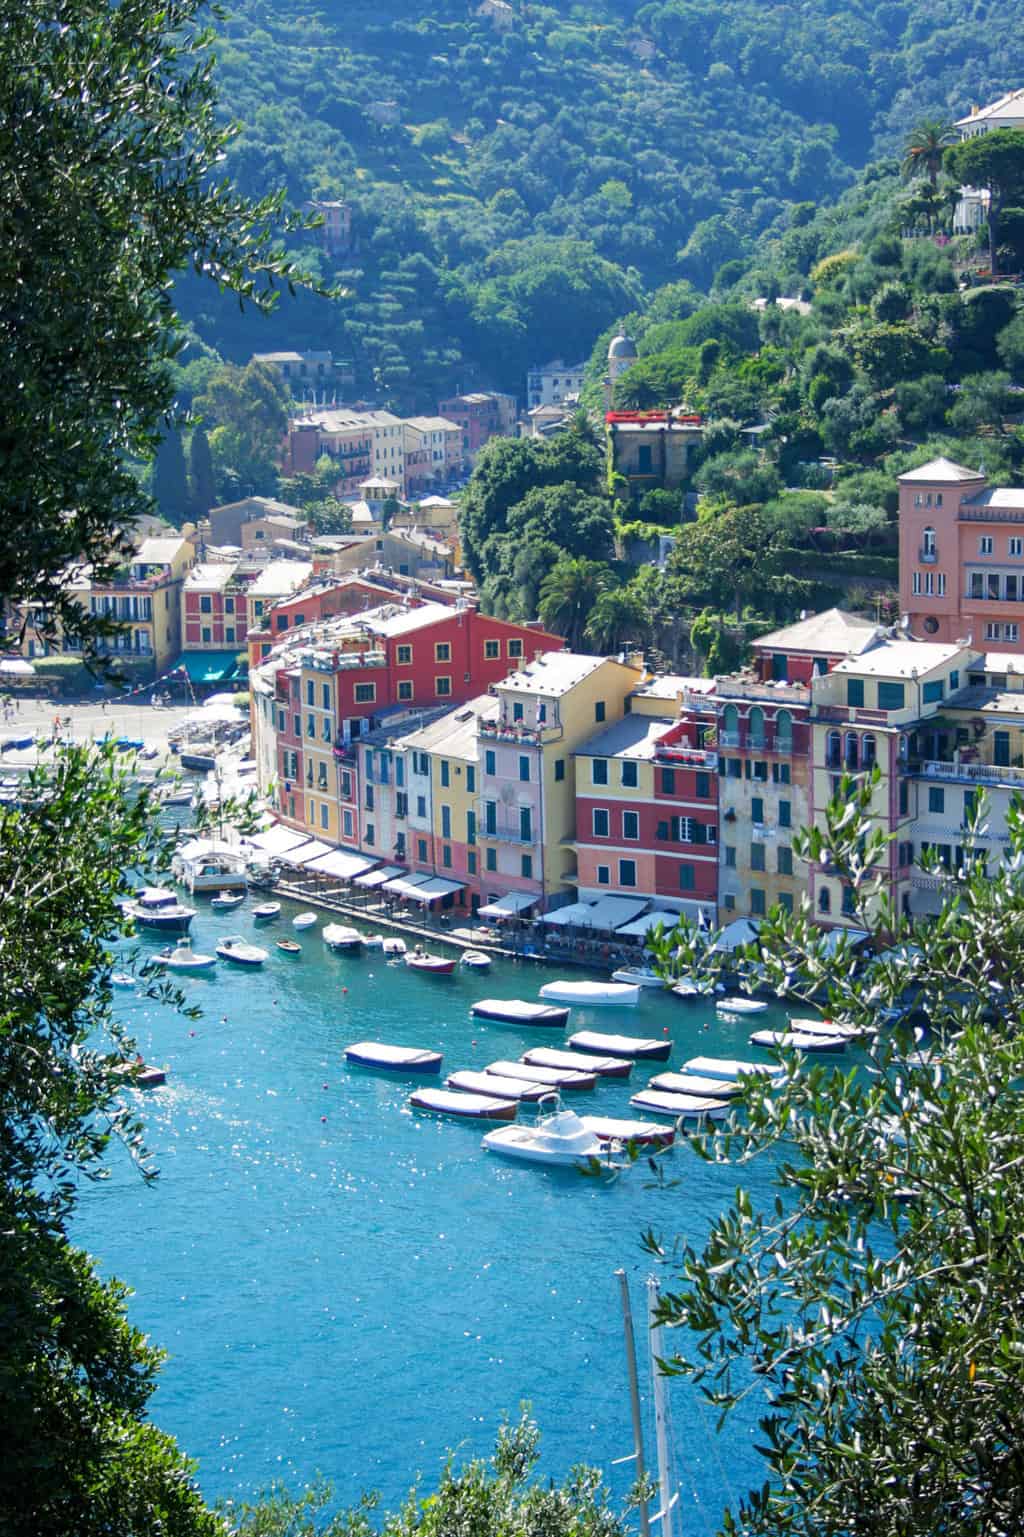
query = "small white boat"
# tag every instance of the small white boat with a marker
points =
(577, 1062)
(554, 1077)
(723, 1067)
(183, 958)
(289, 946)
(517, 1011)
(121, 979)
(693, 1083)
(468, 1107)
(177, 797)
(234, 948)
(227, 901)
(373, 941)
(304, 921)
(641, 976)
(141, 1075)
(737, 1005)
(157, 908)
(680, 1106)
(633, 1046)
(393, 945)
(690, 989)
(613, 1128)
(476, 960)
(405, 1059)
(470, 1082)
(433, 965)
(338, 936)
(560, 1139)
(588, 994)
(796, 1040)
(832, 1029)
(266, 910)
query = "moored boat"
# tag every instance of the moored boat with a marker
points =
(693, 1083)
(680, 1106)
(234, 948)
(467, 1107)
(289, 946)
(205, 865)
(141, 1074)
(796, 1040)
(737, 1005)
(613, 1128)
(724, 1067)
(553, 1077)
(577, 1062)
(517, 1011)
(121, 979)
(468, 1081)
(589, 994)
(435, 965)
(635, 1047)
(339, 936)
(834, 1029)
(560, 1139)
(476, 960)
(157, 908)
(227, 901)
(182, 957)
(405, 1059)
(393, 946)
(641, 976)
(265, 911)
(304, 921)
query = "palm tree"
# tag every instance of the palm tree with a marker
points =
(924, 150)
(568, 593)
(617, 617)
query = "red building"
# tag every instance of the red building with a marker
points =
(481, 415)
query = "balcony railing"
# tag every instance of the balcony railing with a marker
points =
(766, 690)
(518, 731)
(927, 557)
(973, 773)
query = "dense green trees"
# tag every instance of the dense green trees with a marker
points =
(996, 161)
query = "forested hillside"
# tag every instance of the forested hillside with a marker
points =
(547, 166)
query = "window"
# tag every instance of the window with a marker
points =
(559, 770)
(321, 776)
(445, 774)
(488, 760)
(442, 687)
(627, 872)
(599, 711)
(757, 856)
(324, 815)
(932, 692)
(311, 726)
(904, 797)
(783, 731)
(761, 770)
(730, 856)
(369, 797)
(755, 727)
(524, 768)
(365, 693)
(526, 867)
(206, 604)
(786, 901)
(515, 648)
(446, 821)
(517, 709)
(470, 778)
(346, 784)
(756, 809)
(985, 544)
(492, 650)
(855, 693)
(891, 696)
(443, 651)
(446, 857)
(310, 691)
(599, 771)
(785, 859)
(1011, 631)
(405, 689)
(470, 827)
(729, 902)
(928, 542)
(629, 776)
(346, 824)
(421, 850)
(297, 725)
(757, 904)
(940, 584)
(849, 905)
(1015, 547)
(824, 900)
(954, 681)
(403, 656)
(525, 824)
(703, 787)
(993, 631)
(631, 826)
(368, 833)
(599, 822)
(916, 584)
(490, 859)
(229, 605)
(668, 781)
(471, 863)
(687, 877)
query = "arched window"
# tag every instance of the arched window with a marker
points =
(928, 545)
(824, 900)
(852, 755)
(731, 723)
(833, 750)
(869, 751)
(756, 727)
(783, 731)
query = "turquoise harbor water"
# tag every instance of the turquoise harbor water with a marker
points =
(347, 1288)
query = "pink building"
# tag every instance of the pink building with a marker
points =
(961, 557)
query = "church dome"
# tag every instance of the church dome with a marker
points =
(622, 347)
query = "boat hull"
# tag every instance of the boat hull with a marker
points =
(392, 1059)
(634, 1048)
(173, 923)
(684, 1106)
(432, 966)
(465, 1107)
(609, 1128)
(537, 1014)
(587, 995)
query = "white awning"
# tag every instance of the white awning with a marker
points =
(340, 863)
(610, 912)
(311, 850)
(207, 848)
(507, 906)
(378, 877)
(641, 927)
(852, 936)
(405, 885)
(277, 840)
(577, 915)
(435, 886)
(740, 932)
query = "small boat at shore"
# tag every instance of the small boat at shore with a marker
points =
(553, 1077)
(338, 936)
(680, 1106)
(635, 1047)
(404, 1059)
(373, 941)
(265, 911)
(304, 921)
(182, 957)
(289, 946)
(227, 901)
(121, 979)
(141, 1075)
(833, 1029)
(796, 1040)
(577, 1062)
(589, 994)
(517, 1011)
(723, 1067)
(613, 1128)
(693, 1083)
(736, 1005)
(393, 946)
(559, 1139)
(233, 947)
(434, 965)
(640, 976)
(466, 1107)
(476, 960)
(469, 1081)
(157, 908)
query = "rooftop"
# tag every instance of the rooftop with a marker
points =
(454, 735)
(1002, 661)
(900, 659)
(634, 736)
(987, 701)
(670, 685)
(158, 552)
(832, 633)
(280, 577)
(554, 673)
(997, 496)
(391, 620)
(436, 501)
(432, 424)
(941, 471)
(1008, 108)
(265, 506)
(211, 577)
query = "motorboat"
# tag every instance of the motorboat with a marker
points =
(227, 901)
(436, 965)
(635, 1047)
(304, 921)
(140, 1073)
(157, 908)
(796, 1040)
(613, 1128)
(691, 989)
(468, 1081)
(182, 957)
(517, 1011)
(175, 795)
(404, 1059)
(737, 1005)
(289, 946)
(207, 865)
(476, 960)
(467, 1107)
(833, 1029)
(554, 1077)
(197, 757)
(680, 1106)
(722, 1067)
(641, 976)
(338, 936)
(577, 1062)
(587, 994)
(693, 1083)
(234, 948)
(373, 941)
(559, 1139)
(393, 946)
(265, 911)
(121, 979)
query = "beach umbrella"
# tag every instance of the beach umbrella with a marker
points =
(15, 667)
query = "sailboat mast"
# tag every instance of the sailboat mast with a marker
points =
(661, 1417)
(634, 1399)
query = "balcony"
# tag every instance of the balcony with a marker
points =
(927, 557)
(514, 732)
(972, 773)
(850, 714)
(767, 691)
